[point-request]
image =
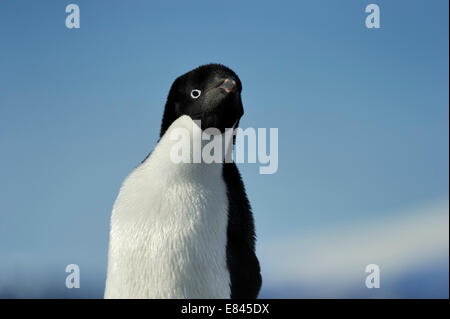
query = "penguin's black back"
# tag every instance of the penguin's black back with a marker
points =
(242, 262)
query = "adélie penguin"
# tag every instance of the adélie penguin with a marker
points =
(186, 230)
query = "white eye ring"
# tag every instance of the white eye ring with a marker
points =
(195, 94)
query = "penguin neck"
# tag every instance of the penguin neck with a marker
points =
(182, 147)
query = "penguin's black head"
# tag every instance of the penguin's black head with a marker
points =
(210, 93)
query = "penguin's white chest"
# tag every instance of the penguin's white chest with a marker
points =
(168, 231)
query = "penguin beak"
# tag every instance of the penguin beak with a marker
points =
(229, 85)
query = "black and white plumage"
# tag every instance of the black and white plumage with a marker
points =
(186, 230)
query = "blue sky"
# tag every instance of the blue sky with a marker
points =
(362, 118)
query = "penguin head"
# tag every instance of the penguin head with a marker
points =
(210, 93)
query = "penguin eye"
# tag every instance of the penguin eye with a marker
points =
(195, 94)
